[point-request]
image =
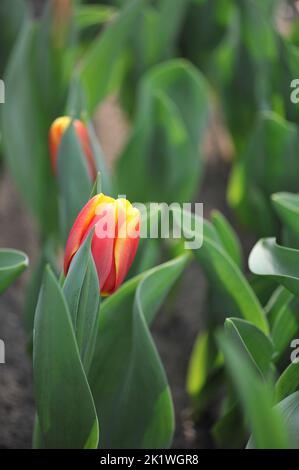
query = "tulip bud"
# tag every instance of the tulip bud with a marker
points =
(56, 132)
(116, 225)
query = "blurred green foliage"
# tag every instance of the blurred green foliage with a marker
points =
(169, 62)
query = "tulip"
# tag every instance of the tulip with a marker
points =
(116, 225)
(56, 132)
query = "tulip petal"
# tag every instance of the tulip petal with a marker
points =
(127, 240)
(79, 229)
(56, 132)
(55, 135)
(103, 242)
(83, 136)
(115, 240)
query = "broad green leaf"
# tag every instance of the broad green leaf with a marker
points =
(252, 342)
(288, 382)
(149, 249)
(158, 32)
(224, 275)
(262, 286)
(106, 178)
(54, 61)
(76, 107)
(289, 410)
(82, 293)
(148, 256)
(285, 328)
(170, 120)
(11, 20)
(12, 264)
(25, 127)
(73, 179)
(286, 206)
(66, 412)
(93, 15)
(76, 102)
(228, 237)
(204, 28)
(279, 299)
(127, 380)
(281, 310)
(170, 24)
(48, 255)
(289, 407)
(267, 258)
(99, 72)
(264, 421)
(265, 169)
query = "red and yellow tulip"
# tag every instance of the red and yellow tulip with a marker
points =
(56, 132)
(116, 225)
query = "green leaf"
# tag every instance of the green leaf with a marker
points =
(288, 382)
(12, 264)
(286, 206)
(252, 342)
(204, 361)
(281, 311)
(82, 293)
(271, 151)
(66, 412)
(267, 258)
(285, 328)
(149, 249)
(73, 178)
(289, 409)
(25, 126)
(169, 25)
(93, 15)
(205, 373)
(279, 299)
(76, 107)
(158, 30)
(127, 379)
(47, 256)
(228, 237)
(54, 56)
(11, 20)
(97, 187)
(106, 178)
(224, 431)
(222, 272)
(171, 117)
(265, 422)
(99, 72)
